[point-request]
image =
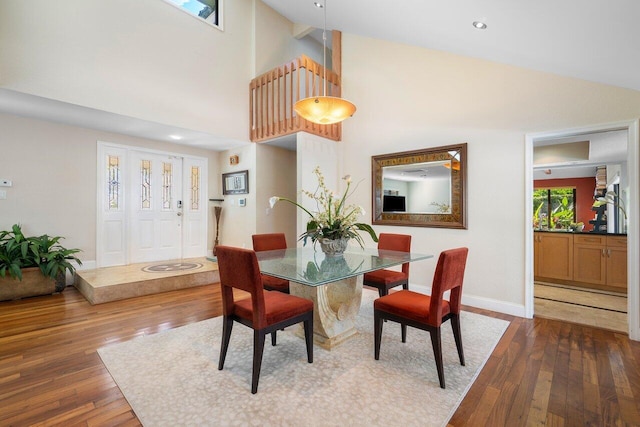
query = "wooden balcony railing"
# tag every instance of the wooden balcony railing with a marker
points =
(273, 95)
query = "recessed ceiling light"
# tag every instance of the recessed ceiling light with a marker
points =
(175, 137)
(318, 4)
(480, 25)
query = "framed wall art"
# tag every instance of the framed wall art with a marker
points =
(235, 182)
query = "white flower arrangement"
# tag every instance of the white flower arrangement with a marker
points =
(334, 219)
(611, 198)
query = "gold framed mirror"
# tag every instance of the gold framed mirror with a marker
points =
(421, 188)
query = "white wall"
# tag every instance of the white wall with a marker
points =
(276, 175)
(238, 223)
(274, 44)
(423, 193)
(53, 169)
(426, 98)
(144, 59)
(314, 151)
(402, 187)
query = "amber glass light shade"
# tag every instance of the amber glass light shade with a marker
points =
(324, 110)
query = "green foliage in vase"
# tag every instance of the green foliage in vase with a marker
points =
(334, 218)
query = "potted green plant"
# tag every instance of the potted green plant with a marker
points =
(31, 266)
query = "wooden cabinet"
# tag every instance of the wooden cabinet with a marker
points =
(553, 254)
(590, 260)
(617, 262)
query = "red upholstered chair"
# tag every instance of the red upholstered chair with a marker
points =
(270, 242)
(387, 279)
(427, 312)
(265, 312)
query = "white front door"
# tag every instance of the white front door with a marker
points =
(152, 205)
(155, 207)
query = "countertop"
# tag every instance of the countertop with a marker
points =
(580, 232)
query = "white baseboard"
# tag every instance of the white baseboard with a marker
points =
(494, 305)
(481, 302)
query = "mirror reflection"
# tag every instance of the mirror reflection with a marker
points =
(418, 188)
(423, 188)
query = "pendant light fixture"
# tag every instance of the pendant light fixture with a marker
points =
(324, 110)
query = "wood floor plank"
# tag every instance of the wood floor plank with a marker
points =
(487, 402)
(575, 396)
(502, 406)
(522, 401)
(554, 420)
(559, 384)
(538, 411)
(51, 374)
(592, 408)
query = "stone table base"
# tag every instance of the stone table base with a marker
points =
(335, 307)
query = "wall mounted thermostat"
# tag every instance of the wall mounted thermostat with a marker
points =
(242, 202)
(5, 183)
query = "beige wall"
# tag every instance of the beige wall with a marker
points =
(143, 58)
(425, 98)
(274, 44)
(53, 169)
(131, 58)
(276, 172)
(237, 223)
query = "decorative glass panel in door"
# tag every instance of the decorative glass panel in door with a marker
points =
(156, 207)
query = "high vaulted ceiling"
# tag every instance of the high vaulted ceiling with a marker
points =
(594, 40)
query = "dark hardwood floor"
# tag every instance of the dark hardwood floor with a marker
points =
(543, 372)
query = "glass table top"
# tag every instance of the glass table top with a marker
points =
(313, 268)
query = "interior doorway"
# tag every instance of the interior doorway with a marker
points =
(631, 131)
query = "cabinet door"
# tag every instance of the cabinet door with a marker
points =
(536, 254)
(589, 264)
(617, 262)
(556, 255)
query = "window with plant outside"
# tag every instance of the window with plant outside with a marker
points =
(207, 10)
(554, 208)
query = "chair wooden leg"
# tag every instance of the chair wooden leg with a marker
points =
(383, 292)
(258, 349)
(377, 334)
(308, 337)
(273, 338)
(437, 354)
(405, 286)
(455, 324)
(227, 325)
(403, 329)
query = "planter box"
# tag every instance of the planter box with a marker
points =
(33, 284)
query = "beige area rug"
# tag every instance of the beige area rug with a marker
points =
(172, 378)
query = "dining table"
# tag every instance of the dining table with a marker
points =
(333, 283)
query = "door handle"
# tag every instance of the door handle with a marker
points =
(179, 213)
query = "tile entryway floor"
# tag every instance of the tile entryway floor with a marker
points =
(607, 310)
(127, 281)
